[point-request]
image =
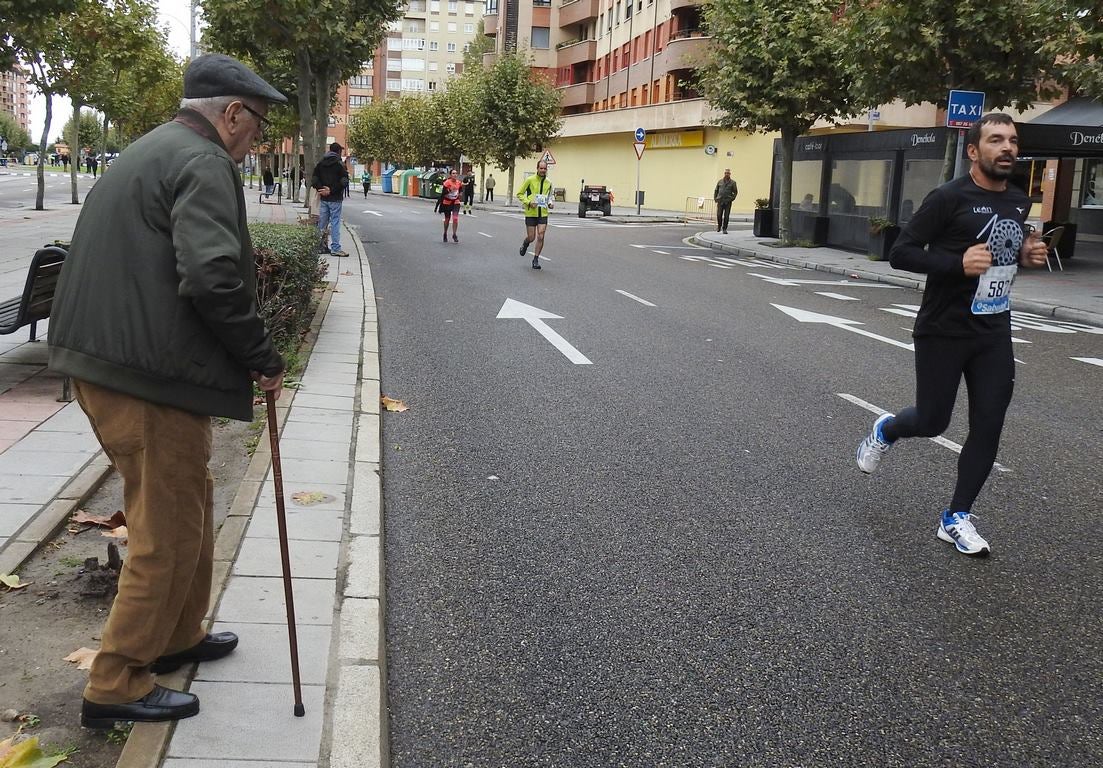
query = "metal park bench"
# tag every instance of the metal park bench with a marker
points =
(38, 294)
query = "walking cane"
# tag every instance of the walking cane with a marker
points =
(281, 521)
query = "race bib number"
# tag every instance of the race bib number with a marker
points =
(541, 201)
(994, 290)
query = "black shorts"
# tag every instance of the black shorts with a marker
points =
(450, 210)
(532, 221)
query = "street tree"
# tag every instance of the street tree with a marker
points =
(87, 134)
(1076, 42)
(18, 139)
(329, 43)
(374, 131)
(918, 51)
(473, 52)
(774, 66)
(521, 110)
(467, 122)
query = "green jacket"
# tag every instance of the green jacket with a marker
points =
(726, 191)
(530, 188)
(157, 298)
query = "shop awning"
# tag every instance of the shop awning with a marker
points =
(1078, 111)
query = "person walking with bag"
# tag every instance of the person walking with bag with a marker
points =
(331, 179)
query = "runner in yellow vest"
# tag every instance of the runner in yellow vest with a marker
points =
(536, 195)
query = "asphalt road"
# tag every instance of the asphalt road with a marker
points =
(667, 556)
(19, 185)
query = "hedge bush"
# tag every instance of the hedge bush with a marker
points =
(288, 269)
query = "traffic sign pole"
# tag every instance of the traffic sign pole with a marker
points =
(639, 145)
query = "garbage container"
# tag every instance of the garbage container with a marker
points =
(436, 184)
(559, 194)
(396, 181)
(385, 181)
(408, 180)
(423, 184)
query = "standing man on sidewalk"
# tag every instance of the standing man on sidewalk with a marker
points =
(968, 237)
(488, 195)
(724, 195)
(155, 319)
(331, 179)
(468, 191)
(535, 195)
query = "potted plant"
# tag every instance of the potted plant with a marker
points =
(763, 218)
(882, 234)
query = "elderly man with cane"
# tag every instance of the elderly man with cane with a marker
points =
(155, 319)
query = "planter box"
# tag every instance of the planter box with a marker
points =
(881, 243)
(763, 222)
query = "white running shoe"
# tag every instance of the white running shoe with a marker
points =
(874, 446)
(958, 529)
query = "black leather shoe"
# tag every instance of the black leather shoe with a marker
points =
(157, 705)
(209, 648)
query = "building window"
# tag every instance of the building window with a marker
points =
(413, 65)
(468, 9)
(450, 68)
(618, 14)
(355, 102)
(394, 85)
(628, 10)
(394, 65)
(360, 81)
(434, 45)
(432, 85)
(491, 7)
(434, 26)
(452, 26)
(434, 6)
(469, 29)
(451, 47)
(413, 44)
(394, 43)
(453, 6)
(541, 37)
(541, 3)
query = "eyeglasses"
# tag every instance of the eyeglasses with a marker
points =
(265, 123)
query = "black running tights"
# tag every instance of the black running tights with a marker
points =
(988, 365)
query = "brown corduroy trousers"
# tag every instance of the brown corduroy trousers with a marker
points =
(164, 589)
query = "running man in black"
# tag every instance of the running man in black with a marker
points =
(969, 238)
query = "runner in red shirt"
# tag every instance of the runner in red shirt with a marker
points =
(450, 203)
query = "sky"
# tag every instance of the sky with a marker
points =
(173, 16)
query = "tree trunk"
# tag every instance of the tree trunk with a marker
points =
(509, 184)
(306, 115)
(73, 148)
(322, 88)
(784, 205)
(294, 176)
(40, 196)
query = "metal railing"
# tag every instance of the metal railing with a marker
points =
(700, 209)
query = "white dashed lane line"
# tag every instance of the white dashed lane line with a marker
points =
(645, 302)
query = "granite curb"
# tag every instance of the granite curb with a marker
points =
(1046, 309)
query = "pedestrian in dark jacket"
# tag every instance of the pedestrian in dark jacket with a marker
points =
(468, 192)
(331, 179)
(724, 195)
(155, 319)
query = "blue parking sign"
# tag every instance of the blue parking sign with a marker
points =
(964, 108)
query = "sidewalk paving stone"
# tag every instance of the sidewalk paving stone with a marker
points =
(308, 432)
(315, 449)
(303, 523)
(309, 559)
(259, 599)
(314, 471)
(263, 655)
(15, 516)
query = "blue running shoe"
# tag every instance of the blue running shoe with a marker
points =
(874, 446)
(958, 529)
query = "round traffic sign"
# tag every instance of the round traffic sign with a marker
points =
(640, 134)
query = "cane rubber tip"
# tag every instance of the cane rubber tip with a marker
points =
(300, 710)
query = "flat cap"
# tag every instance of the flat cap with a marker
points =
(216, 74)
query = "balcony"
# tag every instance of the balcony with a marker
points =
(577, 11)
(687, 49)
(577, 94)
(490, 25)
(576, 52)
(677, 4)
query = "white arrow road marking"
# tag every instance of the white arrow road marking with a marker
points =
(373, 213)
(901, 312)
(939, 440)
(805, 316)
(1049, 323)
(795, 281)
(536, 317)
(645, 302)
(664, 253)
(1089, 360)
(838, 296)
(484, 234)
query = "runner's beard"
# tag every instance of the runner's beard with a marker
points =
(993, 171)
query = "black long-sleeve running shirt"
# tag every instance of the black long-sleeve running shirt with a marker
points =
(952, 218)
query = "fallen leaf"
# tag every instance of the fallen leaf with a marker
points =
(82, 657)
(346, 272)
(116, 533)
(104, 521)
(11, 581)
(390, 404)
(310, 498)
(27, 754)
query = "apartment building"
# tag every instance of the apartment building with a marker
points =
(421, 53)
(14, 98)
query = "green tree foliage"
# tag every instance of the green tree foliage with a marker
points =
(520, 109)
(18, 139)
(373, 131)
(774, 66)
(327, 42)
(1076, 43)
(473, 55)
(89, 134)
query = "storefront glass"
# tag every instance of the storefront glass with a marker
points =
(920, 177)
